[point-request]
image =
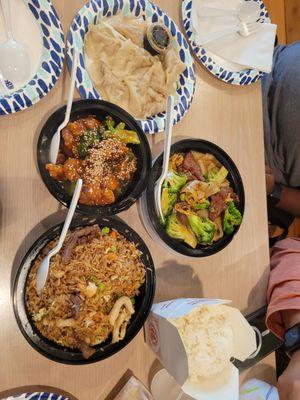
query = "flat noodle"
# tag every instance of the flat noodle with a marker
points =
(203, 213)
(124, 72)
(219, 229)
(212, 188)
(196, 191)
(176, 161)
(206, 161)
(98, 276)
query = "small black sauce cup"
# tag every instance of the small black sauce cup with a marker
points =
(157, 39)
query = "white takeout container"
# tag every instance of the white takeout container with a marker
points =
(164, 339)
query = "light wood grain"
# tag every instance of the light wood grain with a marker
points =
(276, 9)
(227, 115)
(292, 15)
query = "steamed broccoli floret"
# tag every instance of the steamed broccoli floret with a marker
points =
(168, 200)
(203, 228)
(217, 176)
(174, 182)
(232, 218)
(86, 141)
(176, 230)
(204, 205)
(125, 135)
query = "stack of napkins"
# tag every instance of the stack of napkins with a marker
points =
(218, 34)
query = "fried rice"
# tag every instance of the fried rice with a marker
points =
(93, 270)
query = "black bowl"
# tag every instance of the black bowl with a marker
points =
(100, 109)
(235, 182)
(65, 355)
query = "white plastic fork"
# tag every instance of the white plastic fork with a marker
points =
(42, 273)
(3, 89)
(166, 156)
(248, 28)
(55, 141)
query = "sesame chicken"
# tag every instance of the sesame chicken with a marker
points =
(104, 162)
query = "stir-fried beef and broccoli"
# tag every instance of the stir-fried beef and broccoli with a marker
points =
(199, 205)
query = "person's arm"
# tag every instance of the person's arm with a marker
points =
(290, 201)
(290, 198)
(284, 308)
(291, 318)
(289, 381)
(284, 286)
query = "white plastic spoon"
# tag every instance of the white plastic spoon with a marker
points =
(14, 57)
(55, 141)
(166, 156)
(43, 270)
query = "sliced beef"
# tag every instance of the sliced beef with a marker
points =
(234, 196)
(190, 177)
(87, 237)
(218, 202)
(80, 236)
(87, 351)
(182, 218)
(191, 165)
(87, 230)
(225, 191)
(69, 247)
(217, 206)
(76, 303)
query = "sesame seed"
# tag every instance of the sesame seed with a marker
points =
(107, 158)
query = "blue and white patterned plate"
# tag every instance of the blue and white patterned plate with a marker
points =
(244, 77)
(95, 9)
(51, 63)
(37, 396)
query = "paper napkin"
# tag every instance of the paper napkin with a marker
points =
(218, 34)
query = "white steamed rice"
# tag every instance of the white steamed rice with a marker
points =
(207, 336)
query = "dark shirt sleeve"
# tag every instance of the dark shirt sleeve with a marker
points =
(281, 103)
